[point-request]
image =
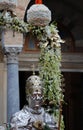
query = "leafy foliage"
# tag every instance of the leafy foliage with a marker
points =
(13, 23)
(50, 73)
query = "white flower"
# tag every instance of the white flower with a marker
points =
(45, 44)
(47, 29)
(58, 45)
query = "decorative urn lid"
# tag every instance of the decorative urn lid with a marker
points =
(38, 14)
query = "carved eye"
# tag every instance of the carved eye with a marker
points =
(39, 94)
(34, 95)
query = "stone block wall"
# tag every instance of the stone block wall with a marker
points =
(21, 7)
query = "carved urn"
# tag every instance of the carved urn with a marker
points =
(38, 14)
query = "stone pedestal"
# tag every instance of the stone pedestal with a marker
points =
(12, 79)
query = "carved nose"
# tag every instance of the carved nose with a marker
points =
(37, 97)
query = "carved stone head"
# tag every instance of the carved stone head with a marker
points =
(34, 91)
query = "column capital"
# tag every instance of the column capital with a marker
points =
(11, 52)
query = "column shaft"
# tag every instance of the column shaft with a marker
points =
(12, 90)
(12, 79)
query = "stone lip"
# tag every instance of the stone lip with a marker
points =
(39, 15)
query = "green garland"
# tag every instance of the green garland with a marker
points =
(13, 23)
(49, 61)
(50, 73)
(49, 67)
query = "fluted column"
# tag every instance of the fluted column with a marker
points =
(12, 79)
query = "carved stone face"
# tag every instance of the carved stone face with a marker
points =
(35, 99)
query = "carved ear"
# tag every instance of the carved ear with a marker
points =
(27, 98)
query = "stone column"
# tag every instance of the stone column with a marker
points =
(12, 79)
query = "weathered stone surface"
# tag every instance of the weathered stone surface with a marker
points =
(39, 15)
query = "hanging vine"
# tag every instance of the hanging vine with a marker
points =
(50, 73)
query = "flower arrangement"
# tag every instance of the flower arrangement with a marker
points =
(49, 60)
(12, 22)
(50, 73)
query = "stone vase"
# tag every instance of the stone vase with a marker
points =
(39, 15)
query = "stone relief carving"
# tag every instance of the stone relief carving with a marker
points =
(12, 54)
